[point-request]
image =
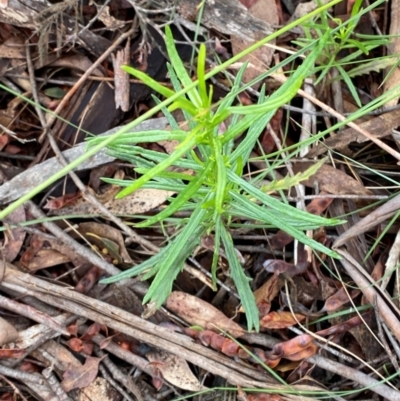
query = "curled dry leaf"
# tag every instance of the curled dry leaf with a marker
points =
(175, 370)
(200, 313)
(342, 327)
(294, 349)
(280, 320)
(62, 201)
(86, 283)
(7, 332)
(338, 299)
(266, 293)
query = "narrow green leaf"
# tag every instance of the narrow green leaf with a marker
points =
(179, 152)
(180, 68)
(191, 189)
(241, 282)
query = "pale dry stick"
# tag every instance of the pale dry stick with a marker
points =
(32, 313)
(140, 329)
(43, 334)
(106, 376)
(32, 380)
(382, 337)
(325, 341)
(392, 262)
(308, 125)
(395, 344)
(366, 284)
(340, 117)
(55, 385)
(117, 375)
(355, 307)
(127, 323)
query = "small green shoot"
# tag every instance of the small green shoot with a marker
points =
(216, 192)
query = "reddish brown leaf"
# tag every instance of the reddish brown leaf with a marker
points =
(62, 201)
(248, 3)
(81, 376)
(280, 320)
(338, 299)
(230, 348)
(341, 327)
(266, 293)
(303, 354)
(11, 353)
(87, 282)
(291, 347)
(92, 330)
(73, 329)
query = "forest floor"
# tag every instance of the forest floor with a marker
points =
(199, 200)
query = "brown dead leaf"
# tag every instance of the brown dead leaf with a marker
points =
(331, 180)
(280, 320)
(86, 283)
(45, 258)
(62, 201)
(81, 376)
(342, 327)
(14, 238)
(175, 370)
(338, 299)
(292, 348)
(197, 312)
(141, 201)
(266, 293)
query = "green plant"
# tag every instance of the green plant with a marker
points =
(344, 45)
(215, 191)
